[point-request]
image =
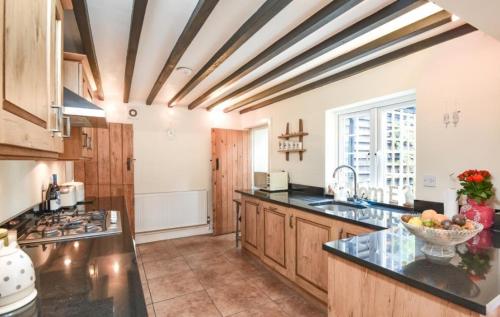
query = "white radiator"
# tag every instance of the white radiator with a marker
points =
(159, 211)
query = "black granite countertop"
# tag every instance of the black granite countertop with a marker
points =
(375, 217)
(471, 279)
(88, 277)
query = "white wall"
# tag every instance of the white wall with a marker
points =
(21, 183)
(464, 71)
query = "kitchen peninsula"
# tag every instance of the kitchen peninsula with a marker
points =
(369, 256)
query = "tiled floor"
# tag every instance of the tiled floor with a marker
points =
(207, 276)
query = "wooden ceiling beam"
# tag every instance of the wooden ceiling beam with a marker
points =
(263, 15)
(327, 14)
(364, 26)
(196, 20)
(384, 59)
(417, 28)
(83, 22)
(138, 12)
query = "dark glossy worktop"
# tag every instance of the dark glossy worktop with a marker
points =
(471, 279)
(374, 217)
(88, 277)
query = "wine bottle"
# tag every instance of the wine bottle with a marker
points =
(54, 195)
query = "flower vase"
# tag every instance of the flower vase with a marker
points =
(479, 212)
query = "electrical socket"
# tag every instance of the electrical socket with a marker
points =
(430, 181)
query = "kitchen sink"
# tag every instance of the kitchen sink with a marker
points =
(337, 205)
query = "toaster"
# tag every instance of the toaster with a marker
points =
(80, 190)
(68, 195)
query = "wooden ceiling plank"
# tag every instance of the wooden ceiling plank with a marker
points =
(327, 14)
(83, 22)
(263, 15)
(400, 53)
(364, 26)
(137, 19)
(196, 20)
(417, 28)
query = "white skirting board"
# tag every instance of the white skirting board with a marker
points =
(171, 210)
(145, 237)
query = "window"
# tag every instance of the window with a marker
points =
(379, 140)
(260, 149)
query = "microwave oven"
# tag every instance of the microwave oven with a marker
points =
(272, 181)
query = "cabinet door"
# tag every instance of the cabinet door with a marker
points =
(31, 61)
(311, 261)
(250, 223)
(275, 249)
(27, 59)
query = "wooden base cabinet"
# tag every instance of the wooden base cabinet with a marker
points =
(277, 229)
(251, 227)
(357, 291)
(290, 241)
(311, 261)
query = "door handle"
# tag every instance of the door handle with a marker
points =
(290, 222)
(129, 163)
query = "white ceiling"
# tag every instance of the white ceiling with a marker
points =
(165, 20)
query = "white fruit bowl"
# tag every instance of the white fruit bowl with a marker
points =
(440, 244)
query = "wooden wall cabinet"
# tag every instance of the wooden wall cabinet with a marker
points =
(290, 241)
(78, 78)
(31, 81)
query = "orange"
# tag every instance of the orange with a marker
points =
(428, 214)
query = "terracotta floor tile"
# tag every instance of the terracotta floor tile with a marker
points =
(203, 259)
(272, 287)
(237, 297)
(218, 274)
(171, 286)
(151, 311)
(299, 307)
(161, 268)
(269, 309)
(191, 305)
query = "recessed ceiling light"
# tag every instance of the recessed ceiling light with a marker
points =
(186, 71)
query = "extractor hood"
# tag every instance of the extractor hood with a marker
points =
(82, 112)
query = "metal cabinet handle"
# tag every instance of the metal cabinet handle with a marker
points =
(89, 142)
(290, 221)
(67, 127)
(59, 118)
(85, 140)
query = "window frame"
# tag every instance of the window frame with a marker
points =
(375, 108)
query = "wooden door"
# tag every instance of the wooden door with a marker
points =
(251, 226)
(275, 247)
(230, 171)
(310, 260)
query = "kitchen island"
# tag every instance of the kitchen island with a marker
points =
(88, 277)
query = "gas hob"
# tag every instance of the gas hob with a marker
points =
(70, 224)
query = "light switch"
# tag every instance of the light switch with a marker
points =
(429, 181)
